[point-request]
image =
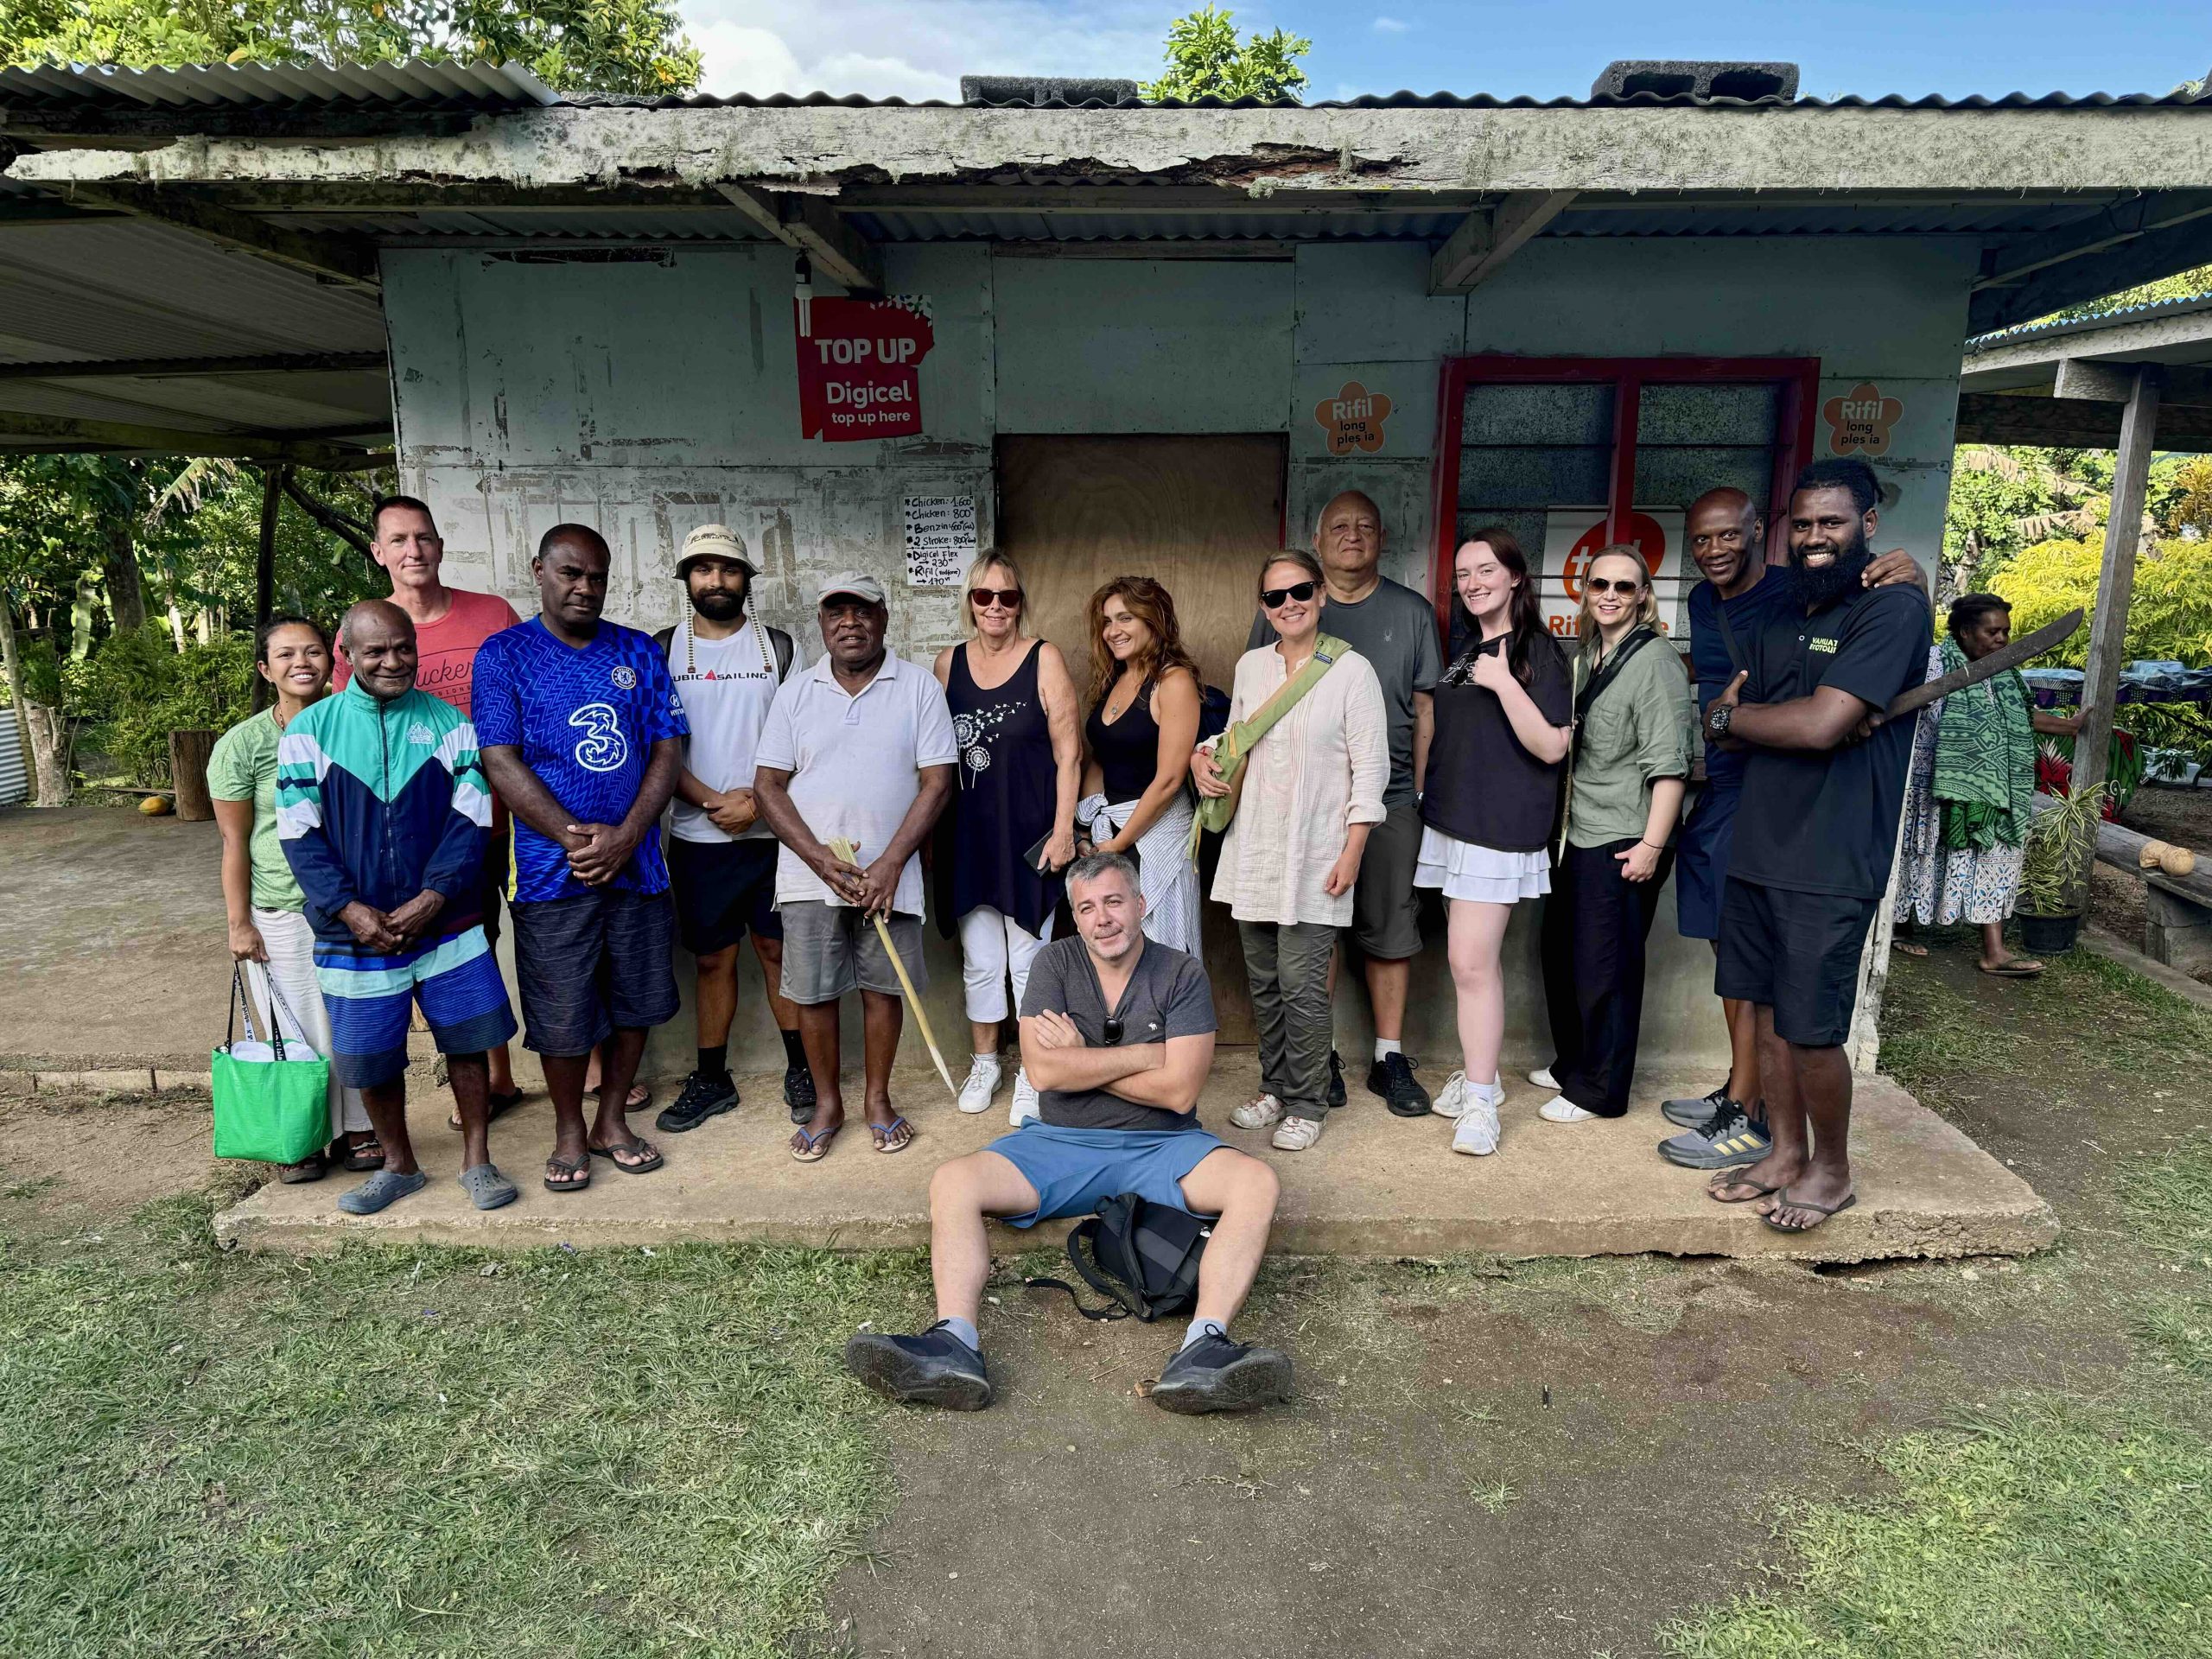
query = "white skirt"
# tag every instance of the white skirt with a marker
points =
(1463, 870)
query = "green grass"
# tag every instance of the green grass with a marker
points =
(2052, 1530)
(425, 1451)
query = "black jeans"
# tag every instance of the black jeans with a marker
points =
(1595, 923)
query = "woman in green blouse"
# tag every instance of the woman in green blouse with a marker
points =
(1626, 774)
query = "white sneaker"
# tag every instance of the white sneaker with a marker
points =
(1452, 1099)
(1560, 1110)
(1025, 1100)
(1477, 1132)
(1296, 1134)
(1258, 1114)
(983, 1083)
(1541, 1077)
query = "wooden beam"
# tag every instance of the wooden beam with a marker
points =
(1486, 238)
(61, 433)
(344, 259)
(265, 567)
(2138, 430)
(2072, 423)
(163, 368)
(2114, 382)
(2052, 287)
(808, 223)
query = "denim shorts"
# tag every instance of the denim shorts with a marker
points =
(1075, 1170)
(591, 964)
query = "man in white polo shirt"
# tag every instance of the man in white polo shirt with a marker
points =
(858, 748)
(727, 665)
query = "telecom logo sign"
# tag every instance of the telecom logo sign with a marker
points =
(860, 367)
(1574, 536)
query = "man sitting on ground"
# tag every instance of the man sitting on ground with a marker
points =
(1117, 1033)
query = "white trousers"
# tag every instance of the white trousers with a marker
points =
(290, 943)
(993, 945)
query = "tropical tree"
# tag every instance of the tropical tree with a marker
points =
(600, 46)
(1205, 60)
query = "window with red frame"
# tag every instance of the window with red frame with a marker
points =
(1571, 454)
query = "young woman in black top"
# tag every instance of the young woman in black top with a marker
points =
(1505, 710)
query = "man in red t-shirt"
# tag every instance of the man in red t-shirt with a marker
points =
(450, 623)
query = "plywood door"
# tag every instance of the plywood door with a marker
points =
(1198, 514)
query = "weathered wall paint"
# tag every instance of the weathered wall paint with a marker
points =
(651, 393)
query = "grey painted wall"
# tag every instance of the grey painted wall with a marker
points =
(654, 391)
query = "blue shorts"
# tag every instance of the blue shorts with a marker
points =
(456, 979)
(1075, 1170)
(1701, 862)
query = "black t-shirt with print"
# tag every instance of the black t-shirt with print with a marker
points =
(1826, 821)
(1481, 785)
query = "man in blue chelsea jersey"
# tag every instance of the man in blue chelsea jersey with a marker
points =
(582, 734)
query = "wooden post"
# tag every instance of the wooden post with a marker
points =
(264, 570)
(2138, 428)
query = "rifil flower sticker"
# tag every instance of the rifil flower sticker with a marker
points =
(1353, 419)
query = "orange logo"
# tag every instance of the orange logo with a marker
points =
(1859, 421)
(1644, 533)
(1353, 419)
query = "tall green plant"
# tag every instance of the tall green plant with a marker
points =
(1205, 60)
(2056, 856)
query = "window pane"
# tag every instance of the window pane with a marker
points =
(1562, 414)
(1708, 415)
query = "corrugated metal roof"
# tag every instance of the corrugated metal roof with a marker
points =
(2152, 311)
(418, 84)
(415, 84)
(1258, 223)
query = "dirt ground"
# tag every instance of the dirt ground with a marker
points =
(1534, 1459)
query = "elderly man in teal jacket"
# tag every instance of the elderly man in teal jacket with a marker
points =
(382, 810)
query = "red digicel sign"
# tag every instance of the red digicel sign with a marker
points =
(858, 363)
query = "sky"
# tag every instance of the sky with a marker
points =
(919, 48)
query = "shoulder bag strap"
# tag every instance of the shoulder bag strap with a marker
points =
(1240, 739)
(1595, 686)
(781, 643)
(1117, 1309)
(1728, 632)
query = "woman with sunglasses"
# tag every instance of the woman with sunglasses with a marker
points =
(1305, 798)
(1012, 826)
(1144, 700)
(1504, 710)
(1630, 765)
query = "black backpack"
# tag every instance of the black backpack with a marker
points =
(1144, 1258)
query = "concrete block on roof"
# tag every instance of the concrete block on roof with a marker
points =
(1695, 78)
(1046, 89)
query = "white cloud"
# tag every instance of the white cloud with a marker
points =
(1391, 26)
(917, 48)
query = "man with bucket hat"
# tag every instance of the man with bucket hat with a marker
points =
(858, 748)
(727, 665)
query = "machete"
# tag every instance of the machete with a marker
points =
(2045, 638)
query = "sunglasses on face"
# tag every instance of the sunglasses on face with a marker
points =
(1005, 598)
(1625, 585)
(1273, 597)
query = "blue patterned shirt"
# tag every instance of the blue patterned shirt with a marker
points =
(585, 719)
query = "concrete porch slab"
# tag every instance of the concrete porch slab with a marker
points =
(1375, 1186)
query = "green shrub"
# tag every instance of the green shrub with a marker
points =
(137, 688)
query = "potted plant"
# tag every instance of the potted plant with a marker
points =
(2054, 860)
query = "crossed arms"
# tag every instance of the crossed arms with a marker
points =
(1167, 1074)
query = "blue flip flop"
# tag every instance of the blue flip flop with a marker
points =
(818, 1145)
(883, 1132)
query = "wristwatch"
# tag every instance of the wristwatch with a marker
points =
(1717, 719)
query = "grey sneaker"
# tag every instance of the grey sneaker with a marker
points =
(1732, 1138)
(1696, 1113)
(1214, 1373)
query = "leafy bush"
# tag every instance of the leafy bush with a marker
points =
(138, 687)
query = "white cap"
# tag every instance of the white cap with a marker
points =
(716, 542)
(858, 583)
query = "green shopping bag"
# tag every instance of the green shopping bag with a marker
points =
(270, 1106)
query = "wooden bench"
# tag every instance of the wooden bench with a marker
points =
(2177, 908)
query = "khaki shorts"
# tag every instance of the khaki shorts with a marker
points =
(830, 948)
(1385, 915)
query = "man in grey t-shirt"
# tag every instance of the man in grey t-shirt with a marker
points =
(1117, 1033)
(1394, 628)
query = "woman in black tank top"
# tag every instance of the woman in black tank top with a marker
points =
(1143, 725)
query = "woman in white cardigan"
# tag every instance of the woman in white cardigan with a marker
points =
(1307, 796)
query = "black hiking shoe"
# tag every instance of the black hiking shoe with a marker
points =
(1698, 1113)
(703, 1097)
(1392, 1077)
(1730, 1139)
(933, 1368)
(1214, 1373)
(799, 1090)
(1336, 1095)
